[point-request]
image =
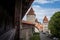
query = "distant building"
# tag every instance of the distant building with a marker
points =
(39, 26)
(36, 28)
(45, 24)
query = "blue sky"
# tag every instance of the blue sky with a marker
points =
(45, 8)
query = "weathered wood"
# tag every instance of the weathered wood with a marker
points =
(18, 4)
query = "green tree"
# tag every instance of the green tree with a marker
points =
(54, 24)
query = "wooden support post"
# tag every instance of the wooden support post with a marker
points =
(18, 12)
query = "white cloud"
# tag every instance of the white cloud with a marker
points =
(41, 12)
(46, 1)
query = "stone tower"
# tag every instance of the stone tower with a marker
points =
(45, 24)
(31, 16)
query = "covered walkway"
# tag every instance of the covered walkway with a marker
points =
(11, 14)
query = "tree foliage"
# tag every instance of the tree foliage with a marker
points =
(54, 24)
(35, 36)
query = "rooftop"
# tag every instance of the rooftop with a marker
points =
(31, 12)
(45, 19)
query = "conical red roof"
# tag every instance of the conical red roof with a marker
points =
(36, 20)
(45, 20)
(31, 12)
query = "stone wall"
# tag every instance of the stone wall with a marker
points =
(26, 31)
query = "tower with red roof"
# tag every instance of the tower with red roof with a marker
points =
(31, 16)
(45, 24)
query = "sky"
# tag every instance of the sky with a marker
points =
(45, 8)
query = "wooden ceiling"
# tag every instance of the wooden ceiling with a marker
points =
(25, 6)
(9, 6)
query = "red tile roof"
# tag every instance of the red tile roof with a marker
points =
(39, 26)
(26, 22)
(45, 19)
(31, 12)
(36, 20)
